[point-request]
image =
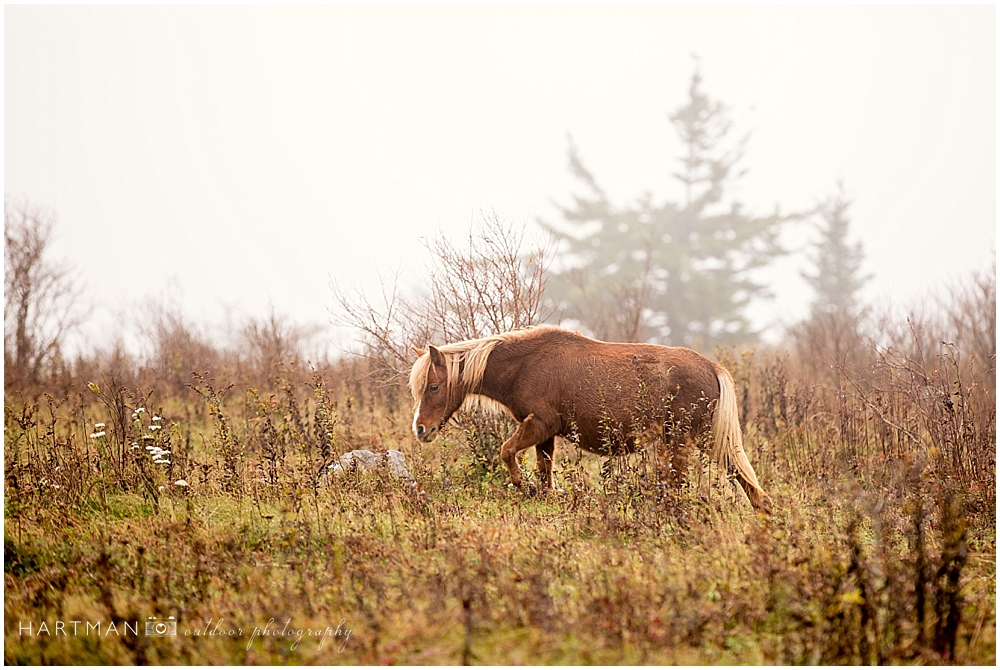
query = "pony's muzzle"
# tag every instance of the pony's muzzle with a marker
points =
(425, 434)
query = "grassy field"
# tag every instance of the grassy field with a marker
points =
(123, 503)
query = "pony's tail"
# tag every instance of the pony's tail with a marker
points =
(728, 447)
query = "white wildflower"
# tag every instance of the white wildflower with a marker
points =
(156, 453)
(98, 426)
(140, 410)
(162, 488)
(181, 483)
(155, 419)
(96, 435)
(155, 427)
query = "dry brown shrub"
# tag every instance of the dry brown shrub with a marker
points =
(494, 284)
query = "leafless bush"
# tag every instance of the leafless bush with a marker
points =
(889, 389)
(937, 409)
(41, 297)
(488, 287)
(271, 343)
(830, 342)
(178, 346)
(264, 349)
(963, 314)
(494, 284)
(971, 308)
(386, 330)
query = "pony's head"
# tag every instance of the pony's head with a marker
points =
(442, 378)
(437, 391)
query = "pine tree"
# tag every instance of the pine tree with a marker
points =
(677, 273)
(838, 277)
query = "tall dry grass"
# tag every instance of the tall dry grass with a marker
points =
(876, 438)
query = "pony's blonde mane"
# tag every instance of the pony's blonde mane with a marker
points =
(475, 354)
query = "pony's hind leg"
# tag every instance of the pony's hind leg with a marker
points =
(529, 432)
(760, 500)
(544, 452)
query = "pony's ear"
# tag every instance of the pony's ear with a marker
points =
(418, 351)
(436, 358)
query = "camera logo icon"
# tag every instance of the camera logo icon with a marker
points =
(157, 628)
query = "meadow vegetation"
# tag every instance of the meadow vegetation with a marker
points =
(152, 488)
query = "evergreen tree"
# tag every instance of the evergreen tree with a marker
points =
(677, 273)
(838, 275)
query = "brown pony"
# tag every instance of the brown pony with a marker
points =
(600, 394)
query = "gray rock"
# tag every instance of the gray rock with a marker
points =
(362, 460)
(358, 460)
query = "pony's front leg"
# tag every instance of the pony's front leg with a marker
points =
(529, 432)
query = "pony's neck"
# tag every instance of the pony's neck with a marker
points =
(502, 368)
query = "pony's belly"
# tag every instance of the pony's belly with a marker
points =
(604, 447)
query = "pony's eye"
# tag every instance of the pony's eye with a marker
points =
(433, 388)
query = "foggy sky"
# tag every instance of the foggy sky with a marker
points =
(241, 156)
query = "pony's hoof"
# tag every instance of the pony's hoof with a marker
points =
(528, 489)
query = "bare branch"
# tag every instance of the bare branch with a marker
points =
(41, 297)
(494, 283)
